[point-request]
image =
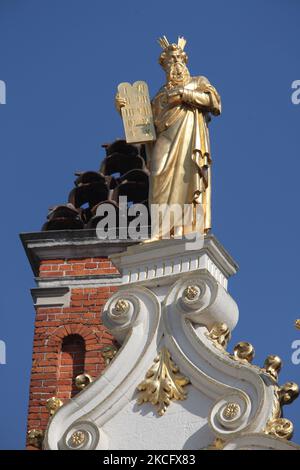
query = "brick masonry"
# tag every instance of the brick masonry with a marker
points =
(68, 340)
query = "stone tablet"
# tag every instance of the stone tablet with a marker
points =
(137, 114)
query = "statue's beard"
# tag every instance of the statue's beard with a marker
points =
(177, 74)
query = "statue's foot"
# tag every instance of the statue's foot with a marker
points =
(150, 240)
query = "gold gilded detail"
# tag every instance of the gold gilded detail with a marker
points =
(35, 437)
(231, 411)
(280, 427)
(272, 366)
(122, 306)
(220, 334)
(162, 383)
(284, 395)
(82, 380)
(191, 292)
(288, 392)
(77, 438)
(217, 444)
(108, 353)
(244, 352)
(53, 404)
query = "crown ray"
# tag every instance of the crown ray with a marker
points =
(181, 42)
(163, 42)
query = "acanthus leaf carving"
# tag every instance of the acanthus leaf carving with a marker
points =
(163, 383)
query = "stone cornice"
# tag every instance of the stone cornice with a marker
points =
(144, 262)
(58, 296)
(65, 244)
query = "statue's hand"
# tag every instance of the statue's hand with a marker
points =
(178, 90)
(119, 102)
(175, 95)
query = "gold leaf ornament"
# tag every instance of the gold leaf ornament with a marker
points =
(163, 383)
(280, 427)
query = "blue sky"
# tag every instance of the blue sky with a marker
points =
(62, 61)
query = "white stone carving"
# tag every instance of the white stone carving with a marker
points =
(169, 298)
(81, 436)
(230, 413)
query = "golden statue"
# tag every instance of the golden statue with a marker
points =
(179, 159)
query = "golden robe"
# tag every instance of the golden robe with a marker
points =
(180, 157)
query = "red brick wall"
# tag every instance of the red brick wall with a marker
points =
(76, 267)
(68, 340)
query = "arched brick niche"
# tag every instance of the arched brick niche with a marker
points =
(71, 362)
(78, 350)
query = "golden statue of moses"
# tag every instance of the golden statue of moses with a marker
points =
(179, 159)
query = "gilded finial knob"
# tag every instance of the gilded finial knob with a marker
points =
(244, 352)
(82, 380)
(273, 365)
(297, 324)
